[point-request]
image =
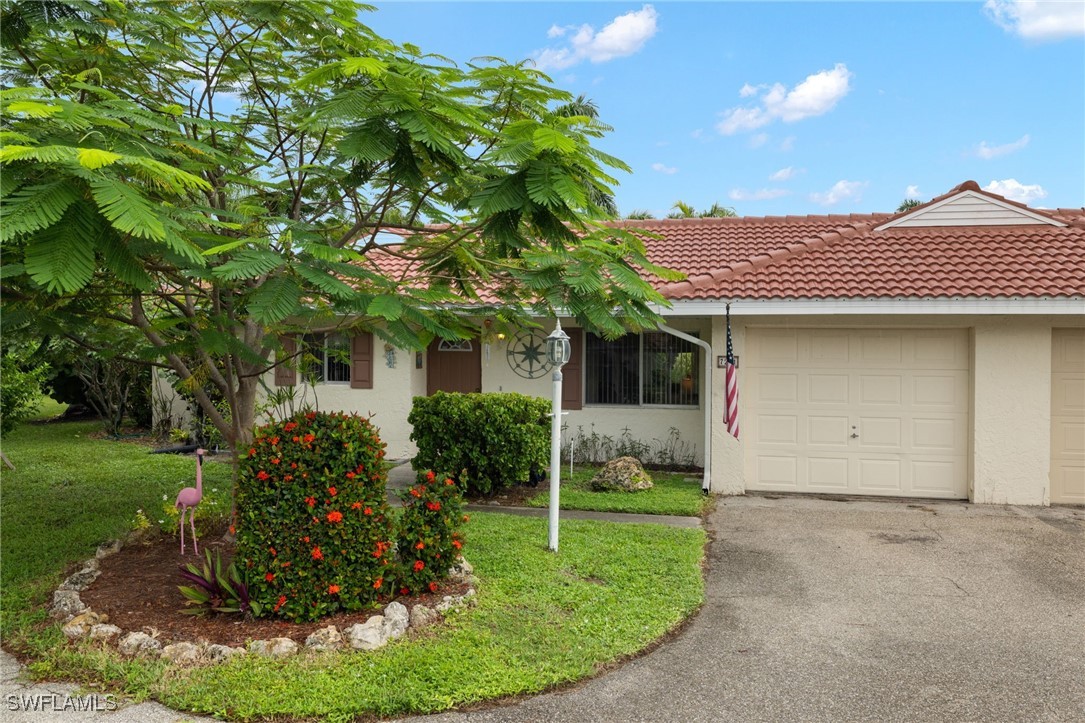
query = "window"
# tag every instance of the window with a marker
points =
(327, 357)
(652, 368)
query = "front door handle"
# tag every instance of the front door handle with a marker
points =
(854, 435)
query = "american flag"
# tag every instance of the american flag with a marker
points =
(730, 409)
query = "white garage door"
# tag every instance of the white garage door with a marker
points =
(851, 411)
(1068, 416)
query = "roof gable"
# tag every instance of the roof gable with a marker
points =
(968, 205)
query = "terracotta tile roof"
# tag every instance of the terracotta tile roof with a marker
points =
(856, 262)
(843, 256)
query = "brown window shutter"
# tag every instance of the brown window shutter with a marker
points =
(361, 361)
(285, 374)
(572, 386)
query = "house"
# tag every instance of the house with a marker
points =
(935, 353)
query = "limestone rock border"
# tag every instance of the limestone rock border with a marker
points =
(80, 622)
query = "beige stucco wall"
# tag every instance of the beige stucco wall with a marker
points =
(388, 403)
(1010, 441)
(1011, 413)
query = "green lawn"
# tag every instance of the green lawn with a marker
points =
(673, 494)
(541, 619)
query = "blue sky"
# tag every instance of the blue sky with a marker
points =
(777, 108)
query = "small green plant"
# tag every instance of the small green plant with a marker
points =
(497, 438)
(141, 523)
(216, 587)
(429, 539)
(20, 392)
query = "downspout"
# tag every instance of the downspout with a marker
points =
(706, 394)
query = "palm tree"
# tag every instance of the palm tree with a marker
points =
(639, 214)
(681, 209)
(908, 204)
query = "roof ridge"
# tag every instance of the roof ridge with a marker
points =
(773, 256)
(739, 220)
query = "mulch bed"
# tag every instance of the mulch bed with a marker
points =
(138, 590)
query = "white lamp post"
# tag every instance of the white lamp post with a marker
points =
(558, 351)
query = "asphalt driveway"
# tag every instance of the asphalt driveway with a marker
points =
(856, 610)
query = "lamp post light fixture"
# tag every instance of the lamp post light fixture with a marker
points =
(558, 351)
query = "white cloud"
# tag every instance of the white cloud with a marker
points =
(747, 90)
(759, 139)
(697, 133)
(815, 96)
(785, 174)
(661, 168)
(1022, 193)
(762, 194)
(622, 36)
(988, 152)
(787, 144)
(841, 191)
(912, 192)
(1040, 20)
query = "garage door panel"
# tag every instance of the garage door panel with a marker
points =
(904, 393)
(778, 472)
(825, 431)
(831, 349)
(880, 432)
(879, 389)
(773, 429)
(937, 435)
(775, 388)
(941, 391)
(827, 473)
(827, 389)
(1068, 416)
(940, 350)
(935, 478)
(876, 349)
(880, 475)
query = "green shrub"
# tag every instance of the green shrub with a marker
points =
(313, 533)
(20, 391)
(429, 539)
(497, 438)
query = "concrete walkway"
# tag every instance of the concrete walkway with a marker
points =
(822, 610)
(402, 477)
(24, 702)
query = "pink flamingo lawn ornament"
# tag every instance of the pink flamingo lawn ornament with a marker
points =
(187, 499)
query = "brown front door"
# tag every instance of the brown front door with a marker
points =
(454, 366)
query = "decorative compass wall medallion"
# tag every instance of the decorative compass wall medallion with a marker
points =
(527, 355)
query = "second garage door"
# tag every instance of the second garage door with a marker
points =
(857, 411)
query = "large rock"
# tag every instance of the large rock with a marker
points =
(139, 644)
(80, 626)
(274, 648)
(370, 635)
(66, 604)
(422, 616)
(396, 620)
(108, 548)
(104, 632)
(324, 639)
(461, 568)
(81, 580)
(221, 653)
(624, 474)
(181, 653)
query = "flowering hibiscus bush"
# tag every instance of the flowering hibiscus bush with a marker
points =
(313, 531)
(429, 538)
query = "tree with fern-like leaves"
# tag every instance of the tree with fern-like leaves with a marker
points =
(219, 175)
(681, 209)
